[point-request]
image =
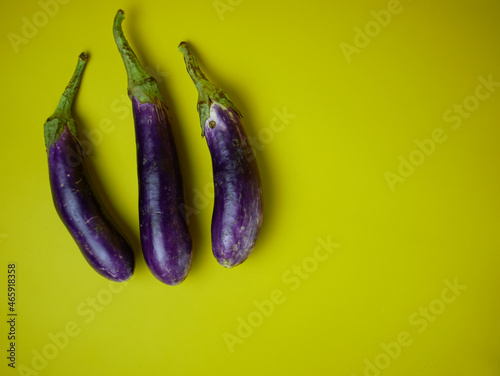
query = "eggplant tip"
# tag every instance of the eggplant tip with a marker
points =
(171, 281)
(229, 264)
(119, 16)
(121, 279)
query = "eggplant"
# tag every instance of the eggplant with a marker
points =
(237, 213)
(75, 199)
(165, 237)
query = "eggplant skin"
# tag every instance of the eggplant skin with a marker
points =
(79, 208)
(237, 215)
(165, 238)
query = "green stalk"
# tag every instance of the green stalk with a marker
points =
(62, 115)
(140, 83)
(207, 91)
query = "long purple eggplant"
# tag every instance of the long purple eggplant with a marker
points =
(237, 215)
(165, 238)
(76, 202)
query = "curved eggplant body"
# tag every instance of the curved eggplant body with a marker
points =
(165, 238)
(237, 215)
(104, 248)
(78, 206)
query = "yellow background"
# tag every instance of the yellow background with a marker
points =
(351, 120)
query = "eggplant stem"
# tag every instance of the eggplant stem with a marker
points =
(140, 83)
(207, 91)
(62, 115)
(196, 74)
(67, 99)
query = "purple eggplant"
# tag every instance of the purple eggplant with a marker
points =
(237, 215)
(165, 238)
(76, 201)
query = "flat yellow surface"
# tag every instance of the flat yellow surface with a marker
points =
(376, 129)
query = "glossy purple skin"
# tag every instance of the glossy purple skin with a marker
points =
(79, 208)
(165, 238)
(237, 215)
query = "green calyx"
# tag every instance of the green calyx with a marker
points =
(207, 91)
(62, 115)
(140, 83)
